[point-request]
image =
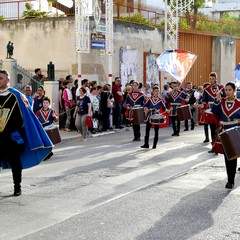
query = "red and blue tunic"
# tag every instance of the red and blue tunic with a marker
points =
(176, 98)
(46, 117)
(135, 98)
(228, 111)
(210, 92)
(156, 103)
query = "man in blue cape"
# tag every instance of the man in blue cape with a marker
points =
(23, 141)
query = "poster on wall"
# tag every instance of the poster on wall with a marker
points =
(128, 65)
(151, 73)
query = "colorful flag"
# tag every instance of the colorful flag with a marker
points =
(177, 63)
(237, 75)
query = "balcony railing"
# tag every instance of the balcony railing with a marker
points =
(12, 9)
(140, 14)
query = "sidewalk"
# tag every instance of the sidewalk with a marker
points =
(74, 134)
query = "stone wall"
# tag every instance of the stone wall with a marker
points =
(224, 58)
(39, 41)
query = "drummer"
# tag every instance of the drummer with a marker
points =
(201, 113)
(154, 103)
(135, 98)
(190, 93)
(175, 98)
(209, 95)
(228, 110)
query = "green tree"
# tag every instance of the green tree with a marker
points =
(191, 19)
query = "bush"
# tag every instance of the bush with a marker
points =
(136, 18)
(34, 13)
(31, 13)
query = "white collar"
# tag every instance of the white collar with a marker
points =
(4, 92)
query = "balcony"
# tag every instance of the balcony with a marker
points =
(226, 5)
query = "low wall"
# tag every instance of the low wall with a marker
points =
(39, 41)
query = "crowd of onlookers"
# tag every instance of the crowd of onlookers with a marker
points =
(104, 104)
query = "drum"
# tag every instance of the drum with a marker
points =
(209, 117)
(138, 115)
(184, 112)
(230, 140)
(216, 143)
(53, 133)
(157, 119)
(166, 121)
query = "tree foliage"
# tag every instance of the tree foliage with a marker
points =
(194, 7)
(31, 13)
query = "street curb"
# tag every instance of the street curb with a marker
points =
(75, 135)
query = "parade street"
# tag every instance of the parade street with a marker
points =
(109, 188)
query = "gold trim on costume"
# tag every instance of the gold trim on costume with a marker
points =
(5, 114)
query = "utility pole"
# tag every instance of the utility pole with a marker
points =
(82, 33)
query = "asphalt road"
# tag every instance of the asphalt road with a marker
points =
(110, 188)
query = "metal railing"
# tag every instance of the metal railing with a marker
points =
(24, 78)
(13, 9)
(130, 11)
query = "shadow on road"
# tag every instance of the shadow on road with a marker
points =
(192, 215)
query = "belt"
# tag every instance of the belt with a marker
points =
(229, 123)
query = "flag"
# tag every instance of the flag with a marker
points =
(237, 75)
(176, 63)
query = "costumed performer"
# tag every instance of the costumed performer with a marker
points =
(23, 141)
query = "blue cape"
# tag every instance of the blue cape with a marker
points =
(37, 144)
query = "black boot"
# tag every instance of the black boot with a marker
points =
(206, 134)
(155, 143)
(17, 190)
(146, 143)
(192, 124)
(17, 179)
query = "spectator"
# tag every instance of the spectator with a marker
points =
(93, 84)
(103, 107)
(117, 95)
(82, 110)
(165, 91)
(38, 99)
(69, 78)
(37, 79)
(126, 112)
(85, 84)
(147, 91)
(68, 104)
(95, 108)
(62, 118)
(74, 88)
(28, 94)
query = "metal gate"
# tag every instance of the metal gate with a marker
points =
(201, 45)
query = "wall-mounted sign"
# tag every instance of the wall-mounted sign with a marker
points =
(101, 28)
(98, 41)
